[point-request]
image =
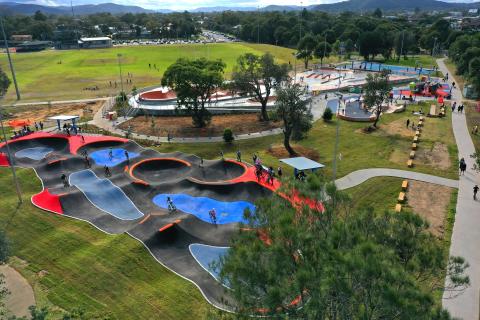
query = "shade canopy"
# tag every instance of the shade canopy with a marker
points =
(302, 163)
(64, 118)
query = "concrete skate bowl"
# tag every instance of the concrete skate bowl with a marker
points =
(219, 172)
(157, 95)
(353, 112)
(33, 151)
(97, 145)
(160, 170)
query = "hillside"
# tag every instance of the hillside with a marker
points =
(393, 5)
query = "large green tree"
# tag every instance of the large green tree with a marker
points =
(322, 50)
(323, 261)
(293, 107)
(377, 91)
(306, 46)
(194, 81)
(257, 76)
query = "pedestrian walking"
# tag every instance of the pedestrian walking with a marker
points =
(408, 122)
(462, 166)
(239, 156)
(41, 125)
(475, 191)
(254, 158)
(36, 126)
(475, 129)
(221, 155)
(279, 172)
(270, 175)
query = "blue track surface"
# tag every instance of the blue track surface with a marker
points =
(102, 158)
(105, 195)
(227, 212)
(37, 153)
(207, 256)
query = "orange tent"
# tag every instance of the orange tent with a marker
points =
(19, 123)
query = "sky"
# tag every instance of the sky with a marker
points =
(189, 4)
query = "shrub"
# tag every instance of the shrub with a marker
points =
(327, 115)
(228, 135)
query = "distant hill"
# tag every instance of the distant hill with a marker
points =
(220, 9)
(29, 9)
(393, 5)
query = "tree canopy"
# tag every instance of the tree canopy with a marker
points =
(194, 82)
(330, 262)
(252, 73)
(377, 91)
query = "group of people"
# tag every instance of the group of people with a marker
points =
(260, 170)
(459, 108)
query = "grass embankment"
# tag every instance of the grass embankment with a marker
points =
(72, 265)
(389, 147)
(62, 74)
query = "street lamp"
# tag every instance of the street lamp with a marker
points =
(123, 94)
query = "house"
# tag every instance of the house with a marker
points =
(28, 46)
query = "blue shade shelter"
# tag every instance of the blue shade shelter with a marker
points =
(302, 163)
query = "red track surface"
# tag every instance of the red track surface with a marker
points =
(47, 201)
(4, 160)
(75, 142)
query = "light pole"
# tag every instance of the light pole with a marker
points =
(258, 24)
(10, 158)
(17, 91)
(324, 48)
(335, 149)
(300, 19)
(401, 47)
(119, 56)
(434, 45)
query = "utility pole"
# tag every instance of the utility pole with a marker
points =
(434, 46)
(10, 158)
(258, 24)
(300, 19)
(17, 91)
(325, 48)
(401, 48)
(119, 56)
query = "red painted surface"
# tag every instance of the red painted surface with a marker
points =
(48, 201)
(158, 95)
(4, 160)
(75, 142)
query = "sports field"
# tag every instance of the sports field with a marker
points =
(59, 75)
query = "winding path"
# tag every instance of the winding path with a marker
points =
(357, 177)
(466, 231)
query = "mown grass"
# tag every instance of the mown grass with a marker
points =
(72, 265)
(358, 150)
(62, 74)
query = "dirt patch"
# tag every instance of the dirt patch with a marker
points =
(437, 157)
(397, 127)
(182, 126)
(42, 112)
(431, 202)
(21, 293)
(279, 151)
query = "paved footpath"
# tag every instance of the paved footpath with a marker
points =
(357, 177)
(466, 231)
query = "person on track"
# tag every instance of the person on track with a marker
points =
(171, 205)
(87, 162)
(475, 191)
(110, 154)
(127, 156)
(107, 171)
(213, 215)
(271, 173)
(65, 180)
(222, 155)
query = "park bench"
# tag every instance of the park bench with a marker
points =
(417, 133)
(412, 154)
(415, 139)
(410, 163)
(420, 123)
(404, 185)
(414, 146)
(401, 197)
(422, 118)
(398, 207)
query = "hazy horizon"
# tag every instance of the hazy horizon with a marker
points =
(190, 4)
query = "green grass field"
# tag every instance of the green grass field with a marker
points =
(59, 75)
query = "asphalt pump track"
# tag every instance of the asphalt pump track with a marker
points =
(123, 202)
